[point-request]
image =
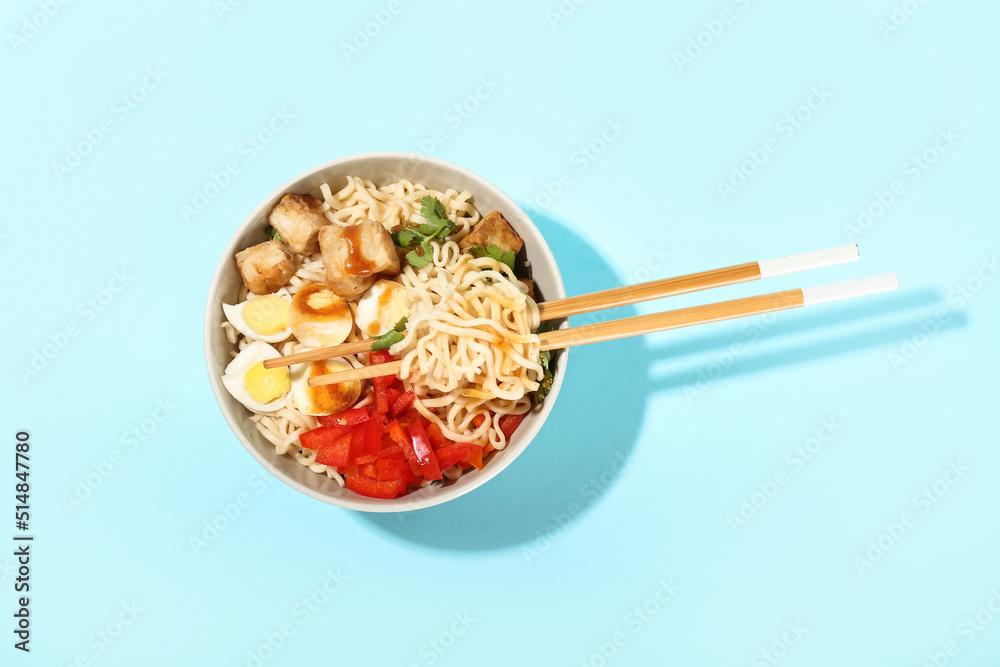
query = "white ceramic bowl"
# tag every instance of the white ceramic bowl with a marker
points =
(380, 168)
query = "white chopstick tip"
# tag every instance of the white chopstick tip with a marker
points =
(848, 289)
(814, 259)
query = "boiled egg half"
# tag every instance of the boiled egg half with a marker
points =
(262, 318)
(328, 399)
(320, 318)
(381, 308)
(258, 388)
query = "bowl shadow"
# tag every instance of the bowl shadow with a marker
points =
(580, 450)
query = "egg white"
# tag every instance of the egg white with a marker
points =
(323, 331)
(234, 313)
(303, 397)
(375, 318)
(233, 377)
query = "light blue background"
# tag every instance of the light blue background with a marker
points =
(551, 558)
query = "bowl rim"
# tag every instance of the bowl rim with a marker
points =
(401, 504)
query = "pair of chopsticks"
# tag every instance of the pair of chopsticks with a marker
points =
(657, 289)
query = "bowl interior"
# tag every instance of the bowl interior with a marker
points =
(380, 168)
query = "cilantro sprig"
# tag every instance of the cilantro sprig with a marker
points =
(272, 233)
(391, 337)
(494, 251)
(545, 359)
(419, 236)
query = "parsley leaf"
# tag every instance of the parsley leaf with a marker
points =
(419, 237)
(494, 251)
(272, 233)
(391, 337)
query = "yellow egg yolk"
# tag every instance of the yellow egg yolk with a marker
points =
(265, 385)
(266, 314)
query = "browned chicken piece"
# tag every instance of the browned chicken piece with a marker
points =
(531, 287)
(355, 256)
(298, 219)
(493, 230)
(266, 266)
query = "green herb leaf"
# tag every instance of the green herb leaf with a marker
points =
(545, 359)
(401, 325)
(431, 208)
(272, 233)
(406, 238)
(494, 251)
(419, 237)
(419, 260)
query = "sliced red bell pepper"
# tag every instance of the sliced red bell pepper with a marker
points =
(374, 488)
(475, 456)
(388, 470)
(368, 470)
(391, 396)
(336, 454)
(396, 433)
(351, 417)
(421, 444)
(382, 383)
(509, 423)
(373, 435)
(401, 404)
(358, 444)
(449, 455)
(323, 435)
(435, 434)
(464, 452)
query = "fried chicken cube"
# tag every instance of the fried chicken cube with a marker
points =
(530, 284)
(355, 256)
(265, 267)
(493, 230)
(298, 219)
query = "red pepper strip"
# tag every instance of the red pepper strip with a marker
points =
(349, 470)
(391, 452)
(396, 433)
(428, 463)
(435, 434)
(509, 423)
(374, 488)
(387, 470)
(392, 395)
(373, 436)
(401, 404)
(358, 444)
(351, 417)
(381, 384)
(475, 456)
(367, 470)
(336, 454)
(449, 455)
(323, 435)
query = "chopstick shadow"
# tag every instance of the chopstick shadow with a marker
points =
(588, 438)
(579, 452)
(880, 321)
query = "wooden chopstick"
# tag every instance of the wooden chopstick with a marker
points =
(631, 294)
(321, 353)
(695, 282)
(671, 319)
